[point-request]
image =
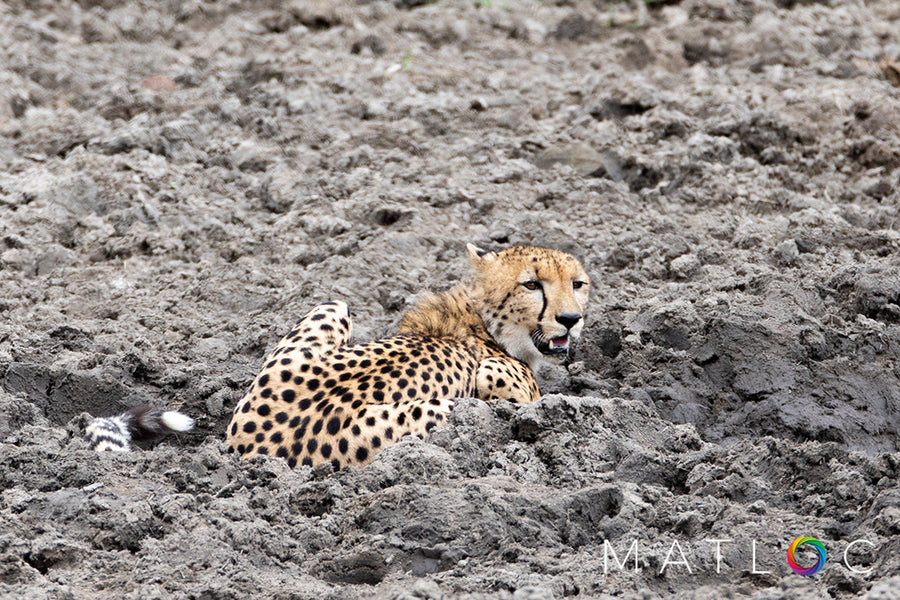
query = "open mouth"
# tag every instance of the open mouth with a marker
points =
(557, 345)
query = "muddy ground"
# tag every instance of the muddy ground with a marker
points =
(182, 180)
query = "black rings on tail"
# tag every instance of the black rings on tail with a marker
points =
(143, 422)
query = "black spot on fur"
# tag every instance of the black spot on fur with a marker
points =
(343, 446)
(276, 438)
(334, 425)
(263, 410)
(311, 445)
(281, 417)
(361, 454)
(416, 413)
(249, 427)
(288, 395)
(326, 450)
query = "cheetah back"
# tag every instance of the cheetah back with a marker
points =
(347, 403)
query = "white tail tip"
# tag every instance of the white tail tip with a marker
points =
(177, 421)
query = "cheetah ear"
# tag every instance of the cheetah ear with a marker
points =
(479, 256)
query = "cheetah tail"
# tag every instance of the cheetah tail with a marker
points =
(143, 422)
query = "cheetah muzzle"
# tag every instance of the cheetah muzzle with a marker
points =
(320, 398)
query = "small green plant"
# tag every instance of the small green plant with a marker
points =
(407, 59)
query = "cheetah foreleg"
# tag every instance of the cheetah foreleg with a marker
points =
(500, 378)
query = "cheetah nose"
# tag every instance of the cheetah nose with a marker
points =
(568, 319)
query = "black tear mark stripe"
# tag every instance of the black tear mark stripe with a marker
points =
(543, 305)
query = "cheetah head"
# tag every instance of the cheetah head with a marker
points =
(531, 300)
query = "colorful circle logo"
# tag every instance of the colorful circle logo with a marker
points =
(804, 541)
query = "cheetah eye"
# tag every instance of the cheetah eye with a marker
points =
(531, 285)
(577, 285)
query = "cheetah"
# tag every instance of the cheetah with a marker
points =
(143, 422)
(321, 398)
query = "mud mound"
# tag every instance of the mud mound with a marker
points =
(547, 500)
(181, 181)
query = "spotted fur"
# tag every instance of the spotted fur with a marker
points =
(321, 398)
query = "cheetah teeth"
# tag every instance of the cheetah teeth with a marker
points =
(556, 345)
(559, 343)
